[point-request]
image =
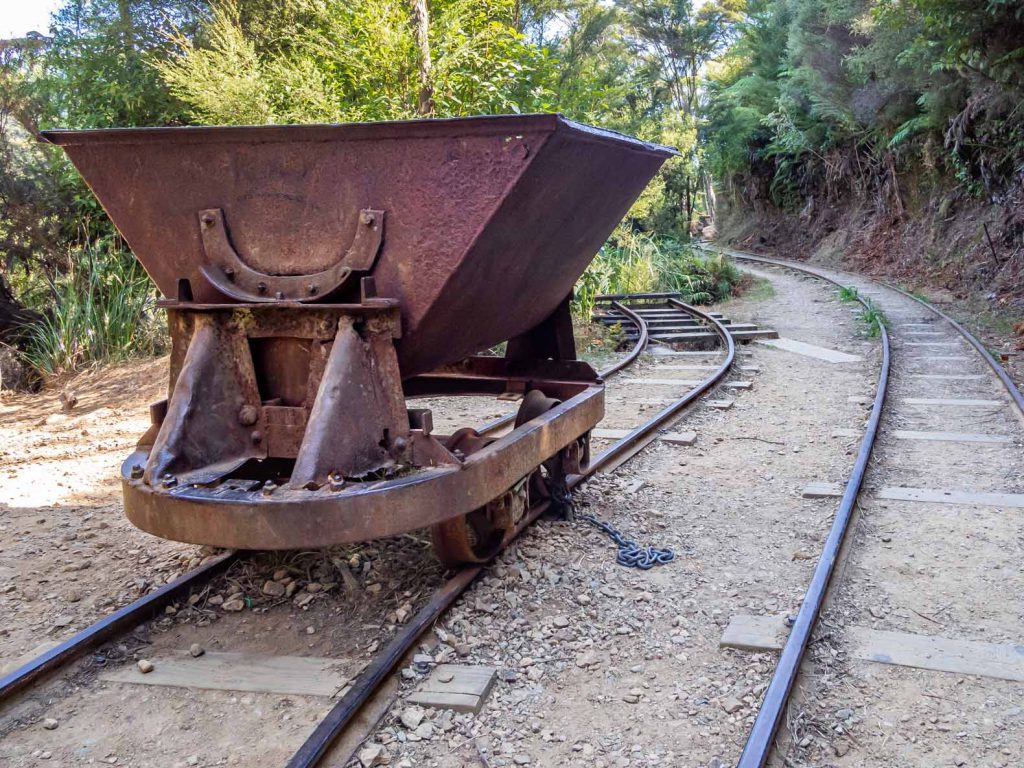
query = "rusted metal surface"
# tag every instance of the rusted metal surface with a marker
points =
(224, 268)
(238, 513)
(318, 276)
(490, 220)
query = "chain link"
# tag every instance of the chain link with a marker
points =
(631, 554)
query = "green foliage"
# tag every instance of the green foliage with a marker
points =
(835, 98)
(872, 318)
(848, 294)
(351, 60)
(100, 308)
(635, 262)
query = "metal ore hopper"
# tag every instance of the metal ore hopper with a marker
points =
(316, 276)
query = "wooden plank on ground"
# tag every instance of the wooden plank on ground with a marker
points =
(952, 401)
(822, 490)
(300, 675)
(1003, 661)
(810, 350)
(931, 343)
(679, 438)
(747, 368)
(676, 438)
(663, 352)
(722, 405)
(949, 376)
(938, 496)
(663, 382)
(946, 358)
(18, 662)
(684, 383)
(455, 686)
(950, 437)
(755, 633)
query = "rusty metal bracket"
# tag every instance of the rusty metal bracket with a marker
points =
(233, 277)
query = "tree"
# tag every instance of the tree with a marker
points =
(359, 60)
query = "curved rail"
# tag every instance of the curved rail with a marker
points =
(151, 604)
(1008, 384)
(773, 706)
(641, 436)
(316, 746)
(318, 743)
(997, 369)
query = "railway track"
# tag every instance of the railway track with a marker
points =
(900, 332)
(900, 353)
(386, 660)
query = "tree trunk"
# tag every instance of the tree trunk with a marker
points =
(12, 315)
(422, 17)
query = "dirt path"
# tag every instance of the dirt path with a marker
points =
(67, 555)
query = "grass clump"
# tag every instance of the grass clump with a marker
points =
(636, 262)
(100, 308)
(871, 317)
(757, 288)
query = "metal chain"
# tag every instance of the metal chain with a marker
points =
(631, 554)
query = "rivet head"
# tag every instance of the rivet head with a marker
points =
(256, 436)
(336, 481)
(367, 218)
(137, 471)
(312, 289)
(248, 415)
(261, 287)
(279, 295)
(229, 273)
(400, 443)
(168, 480)
(269, 487)
(207, 219)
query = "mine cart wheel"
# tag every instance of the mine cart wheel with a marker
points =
(480, 535)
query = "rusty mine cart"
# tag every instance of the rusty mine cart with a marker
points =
(318, 277)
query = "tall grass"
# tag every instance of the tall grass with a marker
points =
(100, 308)
(635, 262)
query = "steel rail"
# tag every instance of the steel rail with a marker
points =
(638, 438)
(755, 752)
(327, 731)
(1008, 384)
(116, 623)
(773, 706)
(997, 369)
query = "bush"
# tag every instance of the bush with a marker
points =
(101, 308)
(635, 262)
